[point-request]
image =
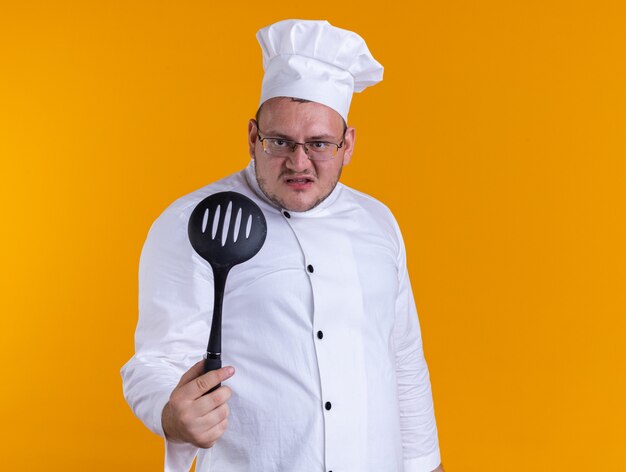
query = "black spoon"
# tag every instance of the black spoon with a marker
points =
(225, 229)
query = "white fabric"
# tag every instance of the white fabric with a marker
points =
(369, 363)
(316, 61)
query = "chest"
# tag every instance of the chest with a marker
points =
(337, 268)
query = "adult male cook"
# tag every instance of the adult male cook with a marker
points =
(321, 324)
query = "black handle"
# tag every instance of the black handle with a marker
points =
(219, 284)
(212, 362)
(213, 358)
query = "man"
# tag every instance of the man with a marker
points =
(320, 324)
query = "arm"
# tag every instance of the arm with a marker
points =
(417, 419)
(175, 300)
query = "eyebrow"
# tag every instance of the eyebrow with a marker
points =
(275, 134)
(321, 137)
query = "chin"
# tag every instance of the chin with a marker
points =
(299, 206)
(293, 203)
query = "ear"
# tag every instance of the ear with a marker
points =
(252, 136)
(348, 144)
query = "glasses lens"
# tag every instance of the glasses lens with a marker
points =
(278, 147)
(321, 151)
(316, 150)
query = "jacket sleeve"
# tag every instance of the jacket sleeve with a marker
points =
(175, 305)
(417, 418)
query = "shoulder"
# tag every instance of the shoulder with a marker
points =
(171, 224)
(372, 207)
(376, 216)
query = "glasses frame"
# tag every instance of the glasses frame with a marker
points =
(295, 144)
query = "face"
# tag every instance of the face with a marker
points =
(297, 183)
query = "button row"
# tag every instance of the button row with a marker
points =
(320, 334)
(309, 267)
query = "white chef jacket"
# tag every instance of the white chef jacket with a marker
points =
(320, 326)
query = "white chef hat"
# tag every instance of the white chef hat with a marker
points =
(316, 61)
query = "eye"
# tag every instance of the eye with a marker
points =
(318, 145)
(280, 143)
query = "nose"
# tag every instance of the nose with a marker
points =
(298, 161)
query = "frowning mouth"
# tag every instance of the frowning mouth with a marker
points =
(299, 181)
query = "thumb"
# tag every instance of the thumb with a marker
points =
(196, 370)
(203, 384)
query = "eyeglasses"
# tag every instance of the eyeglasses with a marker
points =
(315, 150)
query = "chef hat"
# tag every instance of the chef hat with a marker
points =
(316, 61)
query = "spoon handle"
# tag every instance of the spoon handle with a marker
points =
(213, 359)
(219, 284)
(212, 362)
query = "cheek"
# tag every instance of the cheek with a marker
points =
(328, 174)
(334, 170)
(268, 169)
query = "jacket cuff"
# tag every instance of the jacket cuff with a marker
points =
(179, 456)
(426, 463)
(155, 423)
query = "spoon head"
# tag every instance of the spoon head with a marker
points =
(226, 229)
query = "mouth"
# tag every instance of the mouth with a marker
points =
(299, 182)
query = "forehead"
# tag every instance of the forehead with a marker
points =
(284, 115)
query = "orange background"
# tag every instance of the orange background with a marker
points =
(496, 137)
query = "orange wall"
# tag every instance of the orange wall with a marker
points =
(497, 138)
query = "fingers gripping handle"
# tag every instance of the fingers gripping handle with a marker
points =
(212, 362)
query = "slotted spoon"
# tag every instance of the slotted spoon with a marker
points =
(225, 229)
